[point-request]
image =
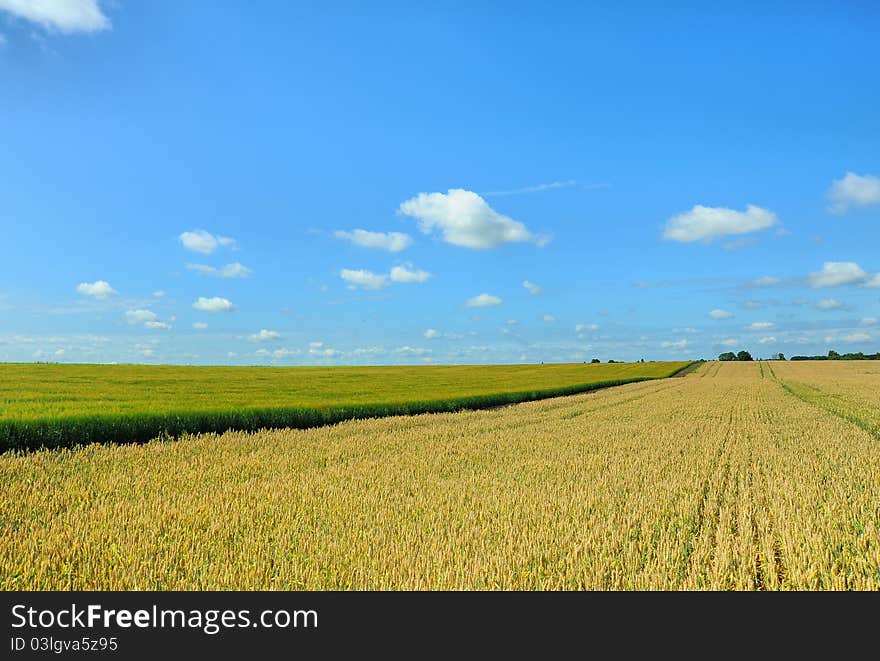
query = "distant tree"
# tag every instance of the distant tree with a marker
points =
(743, 355)
(778, 356)
(595, 360)
(833, 355)
(727, 355)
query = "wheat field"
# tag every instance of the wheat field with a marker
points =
(738, 476)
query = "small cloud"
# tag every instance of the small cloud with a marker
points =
(857, 337)
(391, 241)
(463, 218)
(512, 322)
(412, 351)
(767, 340)
(158, 294)
(838, 274)
(830, 304)
(730, 342)
(678, 344)
(766, 281)
(139, 316)
(264, 336)
(234, 270)
(762, 325)
(402, 274)
(548, 318)
(148, 352)
(538, 188)
(99, 289)
(718, 313)
(534, 289)
(204, 242)
(586, 327)
(157, 325)
(708, 223)
(59, 352)
(483, 301)
(754, 305)
(363, 279)
(214, 304)
(431, 334)
(868, 321)
(231, 354)
(66, 16)
(853, 191)
(200, 325)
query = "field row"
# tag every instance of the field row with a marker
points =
(722, 479)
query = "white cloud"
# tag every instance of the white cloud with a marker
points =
(853, 191)
(534, 289)
(678, 344)
(873, 282)
(264, 336)
(363, 279)
(59, 352)
(200, 325)
(402, 274)
(214, 304)
(589, 327)
(708, 223)
(66, 16)
(231, 354)
(234, 270)
(148, 352)
(483, 301)
(391, 241)
(431, 334)
(838, 274)
(549, 318)
(204, 242)
(276, 353)
(98, 289)
(465, 219)
(158, 294)
(318, 349)
(718, 313)
(830, 304)
(139, 316)
(868, 321)
(767, 340)
(857, 337)
(762, 325)
(157, 325)
(766, 281)
(412, 351)
(730, 342)
(512, 322)
(535, 189)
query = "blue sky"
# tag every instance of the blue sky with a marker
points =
(291, 183)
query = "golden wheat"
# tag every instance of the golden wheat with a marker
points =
(723, 479)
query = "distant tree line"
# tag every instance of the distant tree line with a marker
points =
(833, 355)
(741, 355)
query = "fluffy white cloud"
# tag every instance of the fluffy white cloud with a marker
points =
(853, 191)
(158, 325)
(213, 304)
(857, 337)
(204, 242)
(549, 318)
(363, 279)
(589, 327)
(465, 219)
(391, 241)
(718, 313)
(264, 336)
(318, 349)
(534, 289)
(830, 304)
(66, 16)
(403, 274)
(708, 223)
(97, 289)
(766, 281)
(234, 270)
(762, 325)
(767, 340)
(277, 353)
(431, 334)
(483, 301)
(139, 316)
(678, 344)
(838, 274)
(200, 325)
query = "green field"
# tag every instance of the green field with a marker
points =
(50, 405)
